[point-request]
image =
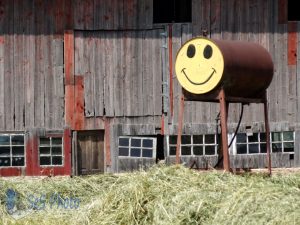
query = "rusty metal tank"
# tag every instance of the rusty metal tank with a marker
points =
(242, 69)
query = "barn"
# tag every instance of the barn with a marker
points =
(89, 86)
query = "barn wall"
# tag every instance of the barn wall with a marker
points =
(32, 65)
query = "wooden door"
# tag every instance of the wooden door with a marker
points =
(90, 152)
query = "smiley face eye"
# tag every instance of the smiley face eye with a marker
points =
(191, 51)
(207, 53)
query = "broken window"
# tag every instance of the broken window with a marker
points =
(12, 150)
(256, 143)
(51, 151)
(172, 11)
(140, 147)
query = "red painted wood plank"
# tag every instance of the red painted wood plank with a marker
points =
(79, 104)
(107, 141)
(69, 105)
(292, 43)
(282, 11)
(67, 151)
(6, 172)
(32, 160)
(69, 57)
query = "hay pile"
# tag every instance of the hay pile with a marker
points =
(163, 195)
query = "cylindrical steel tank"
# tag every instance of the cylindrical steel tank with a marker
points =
(243, 69)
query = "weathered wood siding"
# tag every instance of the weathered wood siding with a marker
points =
(122, 72)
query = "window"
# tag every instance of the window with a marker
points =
(293, 10)
(172, 11)
(12, 150)
(193, 145)
(51, 151)
(139, 147)
(256, 143)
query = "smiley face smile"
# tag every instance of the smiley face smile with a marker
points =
(201, 83)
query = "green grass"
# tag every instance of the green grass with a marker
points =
(162, 195)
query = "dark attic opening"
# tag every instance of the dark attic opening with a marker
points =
(293, 10)
(172, 11)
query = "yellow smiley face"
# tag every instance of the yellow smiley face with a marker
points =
(199, 65)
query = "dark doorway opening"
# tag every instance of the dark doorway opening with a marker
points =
(160, 154)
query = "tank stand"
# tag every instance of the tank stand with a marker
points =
(224, 105)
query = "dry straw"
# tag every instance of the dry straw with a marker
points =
(162, 195)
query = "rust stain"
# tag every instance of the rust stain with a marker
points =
(107, 141)
(162, 129)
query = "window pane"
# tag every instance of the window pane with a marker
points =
(276, 147)
(17, 150)
(172, 150)
(210, 150)
(263, 148)
(288, 136)
(253, 138)
(185, 150)
(241, 149)
(173, 139)
(123, 151)
(263, 137)
(198, 139)
(56, 160)
(56, 141)
(17, 140)
(147, 153)
(135, 142)
(45, 150)
(135, 152)
(5, 161)
(57, 150)
(124, 142)
(253, 148)
(45, 160)
(4, 150)
(241, 138)
(45, 141)
(276, 136)
(185, 139)
(18, 161)
(148, 143)
(209, 139)
(198, 150)
(288, 146)
(4, 140)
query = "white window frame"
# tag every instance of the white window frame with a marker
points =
(192, 145)
(52, 155)
(10, 145)
(154, 140)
